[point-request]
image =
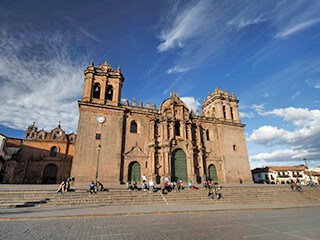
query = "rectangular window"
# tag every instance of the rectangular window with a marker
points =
(98, 136)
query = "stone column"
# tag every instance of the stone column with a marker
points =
(171, 130)
(189, 132)
(218, 109)
(87, 87)
(201, 165)
(152, 160)
(235, 112)
(103, 89)
(151, 134)
(228, 112)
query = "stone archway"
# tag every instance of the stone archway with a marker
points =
(213, 176)
(134, 172)
(50, 174)
(179, 166)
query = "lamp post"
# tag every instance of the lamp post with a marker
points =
(97, 165)
(100, 121)
(307, 162)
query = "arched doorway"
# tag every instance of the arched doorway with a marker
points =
(179, 166)
(134, 172)
(50, 174)
(213, 173)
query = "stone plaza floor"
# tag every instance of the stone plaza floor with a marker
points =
(289, 223)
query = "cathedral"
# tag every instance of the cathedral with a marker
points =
(119, 142)
(43, 157)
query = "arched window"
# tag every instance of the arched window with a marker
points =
(109, 93)
(208, 135)
(53, 151)
(177, 128)
(96, 90)
(231, 111)
(224, 112)
(133, 127)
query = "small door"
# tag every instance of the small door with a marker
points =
(179, 166)
(134, 172)
(213, 173)
(50, 174)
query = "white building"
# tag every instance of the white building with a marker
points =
(9, 148)
(282, 174)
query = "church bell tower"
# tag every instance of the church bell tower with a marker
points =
(102, 84)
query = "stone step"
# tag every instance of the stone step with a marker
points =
(230, 195)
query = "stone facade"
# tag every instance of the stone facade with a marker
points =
(118, 142)
(45, 157)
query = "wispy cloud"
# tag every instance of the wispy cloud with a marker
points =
(186, 25)
(40, 81)
(246, 115)
(82, 30)
(178, 69)
(296, 28)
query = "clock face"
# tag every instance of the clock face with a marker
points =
(101, 119)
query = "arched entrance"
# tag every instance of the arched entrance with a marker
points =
(213, 173)
(50, 174)
(179, 166)
(134, 172)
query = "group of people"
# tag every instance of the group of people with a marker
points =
(133, 186)
(65, 185)
(214, 191)
(296, 186)
(94, 188)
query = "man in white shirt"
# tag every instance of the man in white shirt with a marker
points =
(151, 185)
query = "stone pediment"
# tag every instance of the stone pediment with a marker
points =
(136, 152)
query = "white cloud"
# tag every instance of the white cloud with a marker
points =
(290, 30)
(245, 21)
(246, 115)
(186, 25)
(178, 69)
(40, 82)
(301, 117)
(259, 108)
(267, 135)
(191, 102)
(282, 155)
(303, 139)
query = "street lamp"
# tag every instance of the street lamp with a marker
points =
(97, 165)
(100, 121)
(307, 162)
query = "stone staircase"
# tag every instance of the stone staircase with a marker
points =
(247, 195)
(250, 194)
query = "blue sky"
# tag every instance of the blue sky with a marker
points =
(266, 52)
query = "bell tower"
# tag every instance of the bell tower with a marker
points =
(222, 106)
(102, 84)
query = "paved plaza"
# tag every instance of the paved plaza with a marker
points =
(294, 223)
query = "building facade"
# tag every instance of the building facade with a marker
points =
(283, 175)
(9, 150)
(45, 157)
(119, 142)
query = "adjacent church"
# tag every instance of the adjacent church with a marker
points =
(119, 142)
